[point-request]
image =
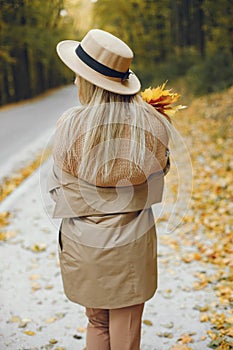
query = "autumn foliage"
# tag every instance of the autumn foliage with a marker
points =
(162, 99)
(209, 226)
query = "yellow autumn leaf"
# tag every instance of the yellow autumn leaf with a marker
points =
(186, 339)
(170, 112)
(51, 320)
(191, 257)
(35, 286)
(229, 319)
(5, 235)
(162, 99)
(201, 308)
(165, 335)
(31, 333)
(180, 347)
(49, 286)
(229, 332)
(147, 94)
(39, 247)
(200, 285)
(204, 318)
(81, 329)
(203, 337)
(34, 277)
(14, 319)
(211, 334)
(147, 323)
(2, 236)
(4, 218)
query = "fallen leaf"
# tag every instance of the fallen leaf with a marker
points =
(14, 319)
(4, 218)
(200, 285)
(203, 337)
(29, 333)
(167, 325)
(215, 343)
(51, 320)
(39, 247)
(167, 294)
(180, 347)
(229, 319)
(165, 335)
(49, 286)
(35, 287)
(201, 308)
(24, 322)
(147, 322)
(81, 329)
(191, 257)
(186, 339)
(229, 332)
(204, 318)
(4, 236)
(34, 277)
(53, 341)
(211, 334)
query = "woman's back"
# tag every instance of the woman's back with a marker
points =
(111, 143)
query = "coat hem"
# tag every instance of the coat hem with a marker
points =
(117, 306)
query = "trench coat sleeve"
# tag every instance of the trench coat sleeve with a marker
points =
(53, 185)
(74, 197)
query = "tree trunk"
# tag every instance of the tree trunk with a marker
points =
(20, 72)
(199, 21)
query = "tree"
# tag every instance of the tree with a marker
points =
(143, 25)
(29, 32)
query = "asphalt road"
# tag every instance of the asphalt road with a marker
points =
(27, 127)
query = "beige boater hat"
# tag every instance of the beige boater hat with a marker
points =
(102, 59)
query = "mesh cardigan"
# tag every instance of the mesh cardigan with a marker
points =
(120, 174)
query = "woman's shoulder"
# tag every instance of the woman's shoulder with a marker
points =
(69, 114)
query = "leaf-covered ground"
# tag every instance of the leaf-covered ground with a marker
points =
(11, 183)
(207, 126)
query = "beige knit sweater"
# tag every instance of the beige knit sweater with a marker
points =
(120, 174)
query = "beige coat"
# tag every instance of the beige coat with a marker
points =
(107, 239)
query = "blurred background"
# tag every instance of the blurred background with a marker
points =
(188, 42)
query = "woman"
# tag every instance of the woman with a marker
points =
(110, 158)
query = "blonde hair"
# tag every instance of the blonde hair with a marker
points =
(87, 90)
(110, 138)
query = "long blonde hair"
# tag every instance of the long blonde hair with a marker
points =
(90, 138)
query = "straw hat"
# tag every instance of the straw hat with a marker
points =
(102, 59)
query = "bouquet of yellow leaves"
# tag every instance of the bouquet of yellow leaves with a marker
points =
(163, 100)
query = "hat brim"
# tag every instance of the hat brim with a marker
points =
(66, 52)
